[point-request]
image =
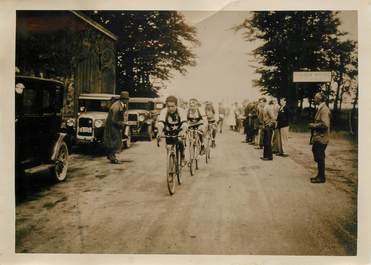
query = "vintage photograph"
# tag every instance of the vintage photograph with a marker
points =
(186, 132)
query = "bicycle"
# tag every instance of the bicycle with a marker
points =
(174, 166)
(210, 141)
(194, 148)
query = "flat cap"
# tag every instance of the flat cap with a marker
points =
(124, 95)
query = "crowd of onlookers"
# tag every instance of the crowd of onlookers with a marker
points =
(265, 124)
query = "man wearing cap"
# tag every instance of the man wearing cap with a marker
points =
(320, 136)
(114, 127)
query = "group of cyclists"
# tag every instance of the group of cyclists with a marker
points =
(175, 124)
(174, 120)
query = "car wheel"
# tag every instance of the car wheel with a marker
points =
(59, 171)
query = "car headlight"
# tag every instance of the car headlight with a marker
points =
(70, 122)
(141, 118)
(98, 123)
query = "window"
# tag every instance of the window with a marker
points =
(30, 104)
(46, 100)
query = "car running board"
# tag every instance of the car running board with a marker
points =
(39, 168)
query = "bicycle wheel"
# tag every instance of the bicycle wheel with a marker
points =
(207, 150)
(197, 152)
(178, 168)
(192, 164)
(208, 153)
(171, 174)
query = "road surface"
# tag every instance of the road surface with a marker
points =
(237, 204)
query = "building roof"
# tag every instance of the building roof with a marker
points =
(98, 96)
(94, 24)
(41, 79)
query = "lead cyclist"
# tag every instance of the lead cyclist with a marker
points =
(173, 121)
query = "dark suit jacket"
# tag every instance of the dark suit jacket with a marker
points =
(283, 117)
(113, 127)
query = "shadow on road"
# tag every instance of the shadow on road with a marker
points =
(96, 150)
(31, 186)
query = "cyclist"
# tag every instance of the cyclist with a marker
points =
(172, 121)
(222, 112)
(211, 119)
(197, 119)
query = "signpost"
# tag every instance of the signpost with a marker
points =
(311, 77)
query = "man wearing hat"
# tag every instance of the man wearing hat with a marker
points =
(320, 136)
(114, 127)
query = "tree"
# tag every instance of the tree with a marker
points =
(151, 44)
(344, 66)
(292, 41)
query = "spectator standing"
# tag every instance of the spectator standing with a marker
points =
(269, 124)
(320, 136)
(255, 123)
(114, 126)
(283, 119)
(276, 138)
(260, 113)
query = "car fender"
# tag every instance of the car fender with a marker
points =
(62, 137)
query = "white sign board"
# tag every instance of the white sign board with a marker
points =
(312, 77)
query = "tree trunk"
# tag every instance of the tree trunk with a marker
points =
(341, 98)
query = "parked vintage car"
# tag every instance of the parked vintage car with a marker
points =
(39, 143)
(142, 117)
(68, 127)
(93, 112)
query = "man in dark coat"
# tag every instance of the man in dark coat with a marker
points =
(248, 123)
(114, 127)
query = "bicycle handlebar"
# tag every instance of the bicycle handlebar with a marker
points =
(169, 136)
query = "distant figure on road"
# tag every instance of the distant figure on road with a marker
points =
(114, 125)
(232, 117)
(320, 136)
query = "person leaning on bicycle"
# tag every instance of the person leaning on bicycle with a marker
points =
(197, 120)
(172, 121)
(211, 119)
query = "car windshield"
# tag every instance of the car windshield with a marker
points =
(34, 96)
(141, 105)
(94, 105)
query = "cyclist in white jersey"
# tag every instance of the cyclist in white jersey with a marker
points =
(196, 118)
(212, 120)
(172, 121)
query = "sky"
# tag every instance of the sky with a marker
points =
(224, 70)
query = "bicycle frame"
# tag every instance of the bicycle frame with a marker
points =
(194, 148)
(173, 163)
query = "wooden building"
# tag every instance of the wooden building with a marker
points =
(69, 46)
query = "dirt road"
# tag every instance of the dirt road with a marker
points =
(237, 204)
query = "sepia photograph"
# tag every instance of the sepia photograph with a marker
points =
(189, 132)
